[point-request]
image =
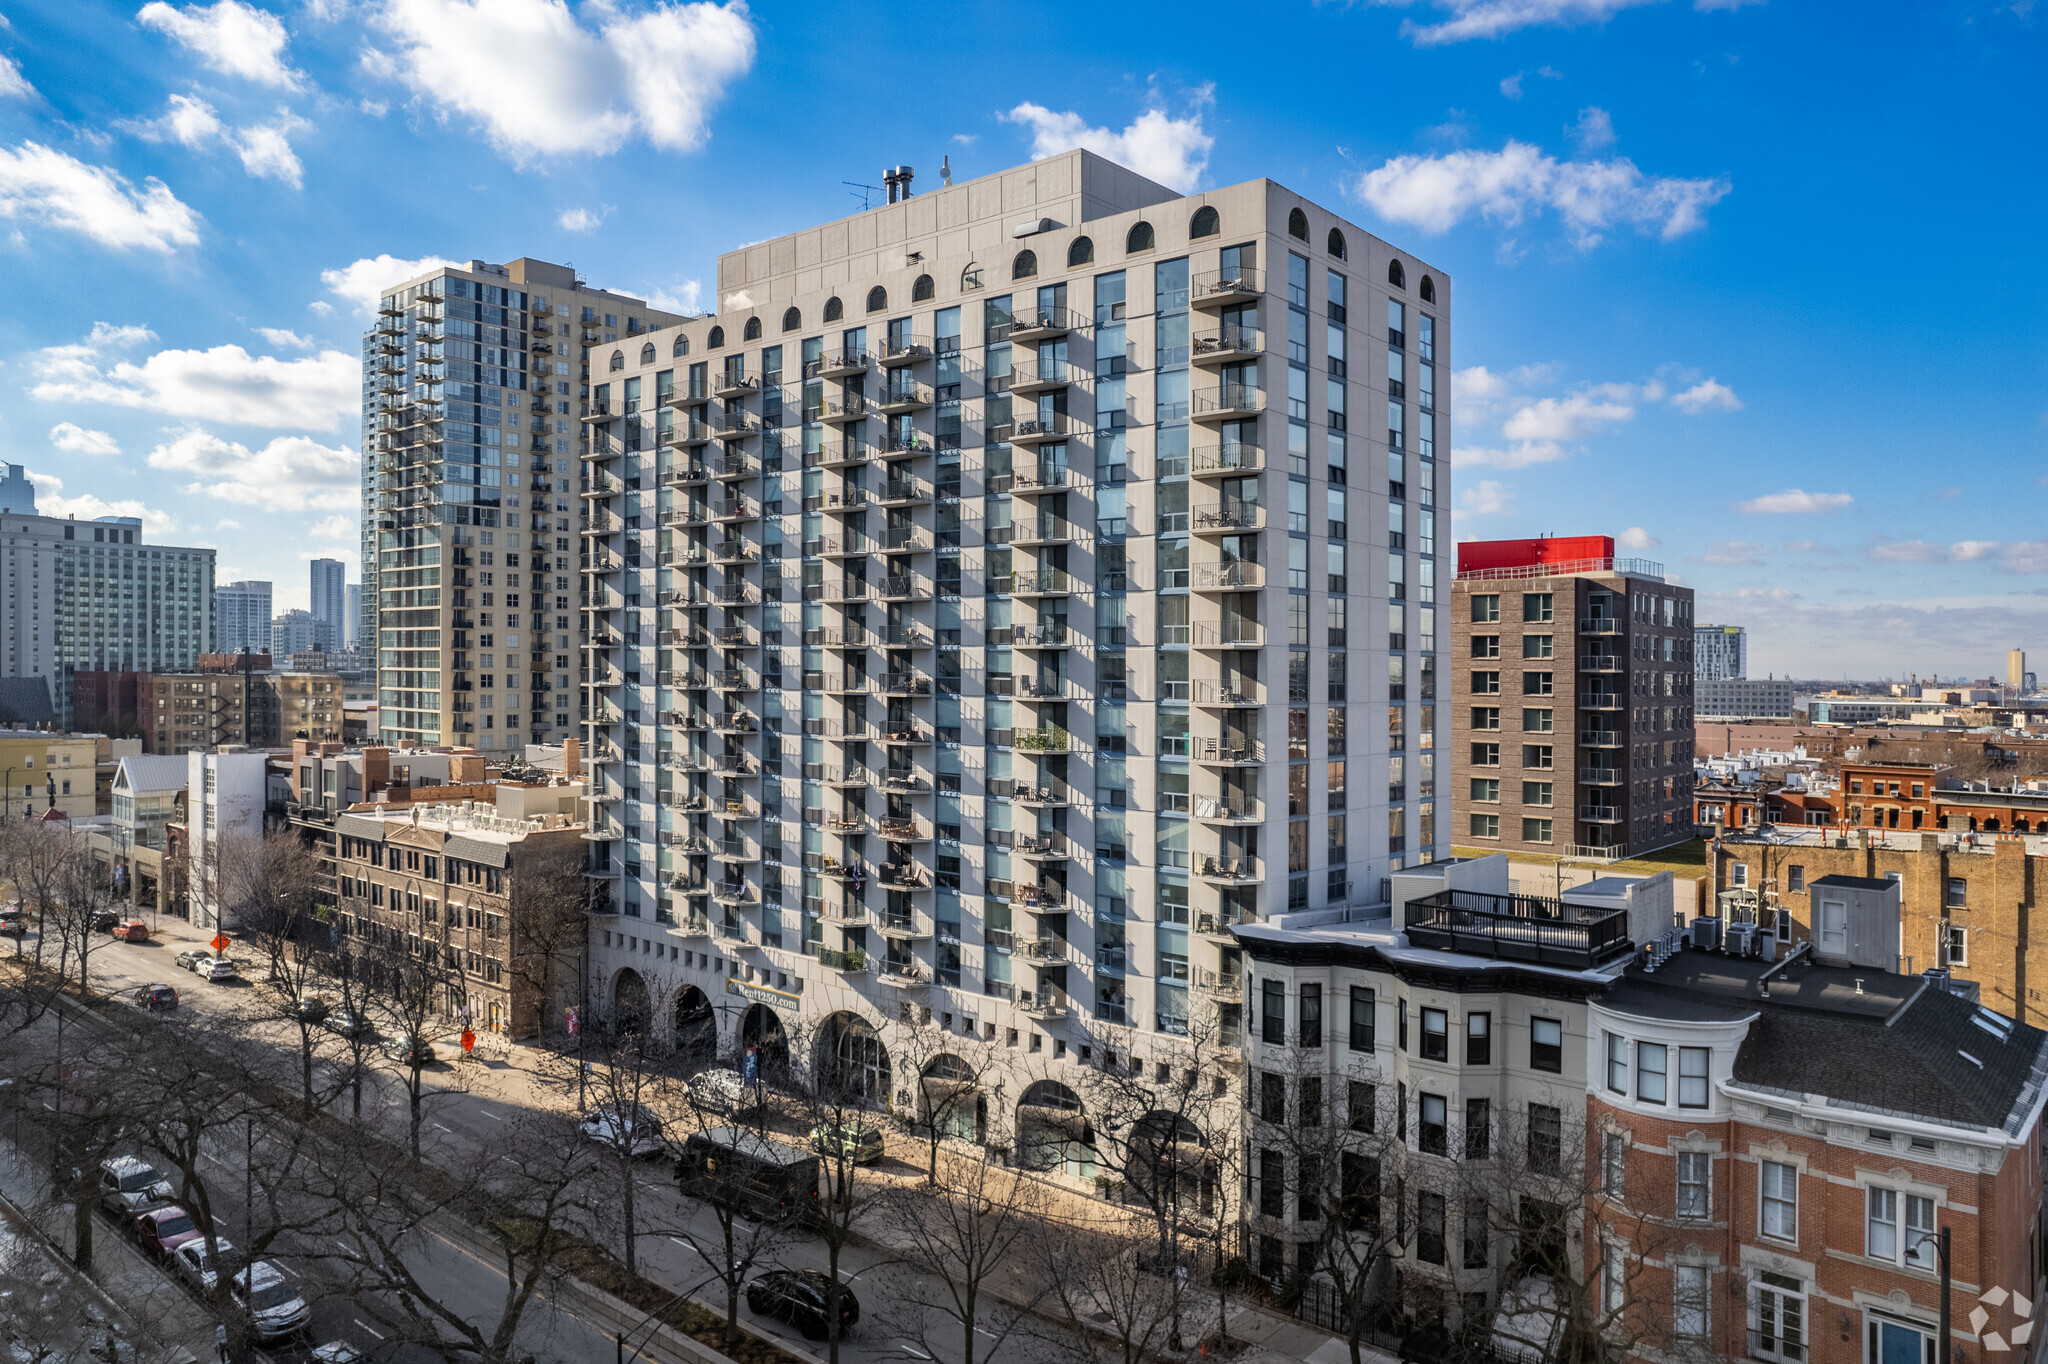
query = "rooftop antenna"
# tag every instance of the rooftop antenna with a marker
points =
(861, 191)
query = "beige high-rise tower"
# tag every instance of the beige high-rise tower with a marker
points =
(472, 382)
(2016, 670)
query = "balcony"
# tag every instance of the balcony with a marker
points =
(1226, 461)
(846, 592)
(1236, 634)
(901, 876)
(903, 587)
(898, 399)
(732, 466)
(1602, 625)
(1228, 578)
(1603, 738)
(1216, 696)
(1233, 810)
(733, 594)
(735, 385)
(1041, 797)
(1040, 430)
(733, 893)
(1049, 739)
(735, 679)
(1226, 346)
(905, 784)
(1603, 814)
(1602, 700)
(851, 959)
(1238, 871)
(844, 455)
(739, 509)
(738, 426)
(1518, 927)
(1029, 376)
(903, 493)
(1235, 751)
(844, 500)
(915, 443)
(906, 684)
(734, 552)
(1044, 952)
(908, 351)
(1218, 985)
(1216, 927)
(1602, 663)
(1047, 1008)
(911, 735)
(1046, 532)
(1229, 518)
(1602, 776)
(904, 975)
(842, 364)
(1228, 403)
(1036, 324)
(846, 825)
(686, 475)
(849, 685)
(840, 639)
(905, 540)
(1052, 636)
(904, 831)
(1044, 479)
(1225, 288)
(852, 409)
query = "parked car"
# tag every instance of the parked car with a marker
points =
(335, 1352)
(797, 1296)
(160, 1231)
(215, 969)
(350, 1023)
(310, 1007)
(191, 957)
(722, 1091)
(131, 930)
(409, 1049)
(191, 1263)
(105, 920)
(860, 1143)
(627, 1127)
(156, 997)
(130, 1184)
(276, 1311)
(13, 924)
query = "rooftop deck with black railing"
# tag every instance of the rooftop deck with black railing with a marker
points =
(1529, 928)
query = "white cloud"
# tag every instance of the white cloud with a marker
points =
(281, 336)
(1594, 130)
(320, 307)
(340, 526)
(1436, 193)
(1515, 457)
(686, 297)
(579, 220)
(1706, 395)
(541, 84)
(1573, 417)
(1961, 552)
(232, 38)
(1494, 18)
(44, 186)
(50, 501)
(1486, 498)
(224, 384)
(1740, 552)
(365, 281)
(291, 474)
(264, 148)
(81, 441)
(1794, 501)
(1511, 86)
(14, 85)
(1635, 537)
(1172, 151)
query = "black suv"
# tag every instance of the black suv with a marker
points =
(797, 1296)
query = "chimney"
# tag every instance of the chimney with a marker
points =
(946, 170)
(376, 770)
(572, 758)
(889, 179)
(903, 177)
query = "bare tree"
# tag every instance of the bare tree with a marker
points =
(745, 1230)
(549, 921)
(415, 1000)
(946, 1074)
(84, 895)
(37, 857)
(279, 884)
(1115, 1307)
(972, 1234)
(840, 1098)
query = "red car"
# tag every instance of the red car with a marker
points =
(132, 930)
(160, 1231)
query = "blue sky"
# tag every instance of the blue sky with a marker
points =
(1757, 286)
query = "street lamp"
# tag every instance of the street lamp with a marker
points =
(1940, 1240)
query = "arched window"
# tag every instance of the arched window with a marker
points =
(681, 347)
(1080, 251)
(1025, 266)
(1139, 238)
(1337, 243)
(1428, 289)
(1396, 276)
(716, 339)
(878, 299)
(970, 277)
(792, 318)
(1297, 224)
(647, 354)
(1205, 223)
(923, 289)
(618, 359)
(753, 331)
(834, 309)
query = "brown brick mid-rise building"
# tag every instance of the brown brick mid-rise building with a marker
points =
(1572, 713)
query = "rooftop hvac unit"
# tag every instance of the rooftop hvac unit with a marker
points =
(1706, 933)
(1741, 939)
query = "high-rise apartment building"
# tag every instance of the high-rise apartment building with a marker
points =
(996, 603)
(329, 582)
(241, 618)
(296, 632)
(472, 380)
(95, 596)
(1719, 652)
(2016, 671)
(351, 615)
(1572, 692)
